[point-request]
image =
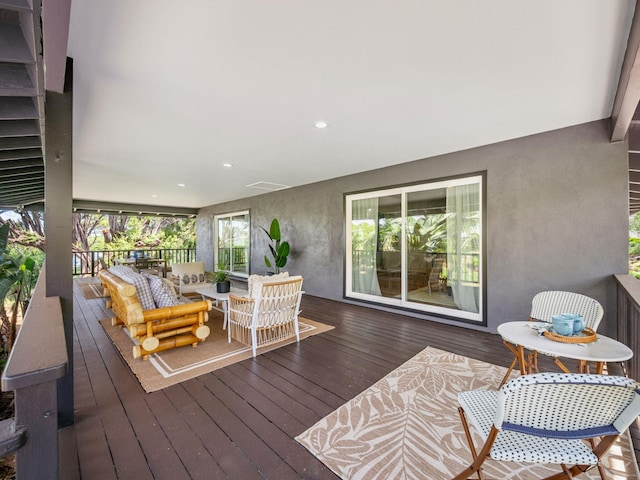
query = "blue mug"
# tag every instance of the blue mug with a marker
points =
(578, 322)
(562, 325)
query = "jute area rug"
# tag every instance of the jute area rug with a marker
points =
(173, 366)
(90, 287)
(406, 426)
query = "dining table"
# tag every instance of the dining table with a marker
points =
(143, 262)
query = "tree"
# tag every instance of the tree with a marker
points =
(26, 228)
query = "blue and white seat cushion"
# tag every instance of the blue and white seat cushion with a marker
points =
(550, 416)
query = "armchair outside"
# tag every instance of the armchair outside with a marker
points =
(270, 315)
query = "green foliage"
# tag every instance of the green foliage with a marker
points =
(146, 232)
(634, 245)
(181, 234)
(279, 249)
(15, 269)
(389, 230)
(220, 276)
(18, 274)
(427, 233)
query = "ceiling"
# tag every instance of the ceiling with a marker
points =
(166, 93)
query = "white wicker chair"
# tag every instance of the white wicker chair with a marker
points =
(268, 315)
(546, 304)
(551, 418)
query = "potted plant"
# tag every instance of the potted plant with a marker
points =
(279, 249)
(221, 279)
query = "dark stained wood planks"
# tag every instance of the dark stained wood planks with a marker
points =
(240, 421)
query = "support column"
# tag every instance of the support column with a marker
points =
(58, 224)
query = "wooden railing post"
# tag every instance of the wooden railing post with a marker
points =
(628, 321)
(37, 360)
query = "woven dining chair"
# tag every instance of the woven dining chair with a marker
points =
(268, 315)
(568, 419)
(545, 305)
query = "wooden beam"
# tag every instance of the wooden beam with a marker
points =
(628, 93)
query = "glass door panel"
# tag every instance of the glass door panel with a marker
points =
(389, 246)
(418, 247)
(240, 243)
(426, 232)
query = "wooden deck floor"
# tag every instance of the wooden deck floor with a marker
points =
(238, 422)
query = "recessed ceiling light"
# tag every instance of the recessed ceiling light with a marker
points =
(182, 184)
(154, 196)
(321, 124)
(227, 165)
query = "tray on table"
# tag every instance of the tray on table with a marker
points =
(586, 336)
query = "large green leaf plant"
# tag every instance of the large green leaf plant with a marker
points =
(279, 249)
(16, 275)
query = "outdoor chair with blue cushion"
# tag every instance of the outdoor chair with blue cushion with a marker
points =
(555, 302)
(568, 419)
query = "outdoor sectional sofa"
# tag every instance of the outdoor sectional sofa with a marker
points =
(154, 317)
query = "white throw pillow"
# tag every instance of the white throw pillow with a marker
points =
(255, 281)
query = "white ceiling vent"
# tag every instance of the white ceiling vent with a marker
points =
(268, 186)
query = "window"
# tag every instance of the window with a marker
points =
(418, 247)
(232, 233)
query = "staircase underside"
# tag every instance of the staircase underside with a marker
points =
(21, 105)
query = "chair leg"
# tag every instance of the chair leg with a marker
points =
(473, 468)
(518, 358)
(572, 472)
(482, 456)
(506, 375)
(533, 362)
(254, 341)
(601, 448)
(562, 366)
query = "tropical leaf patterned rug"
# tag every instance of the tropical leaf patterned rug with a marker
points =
(406, 426)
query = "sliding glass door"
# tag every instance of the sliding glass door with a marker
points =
(231, 247)
(418, 247)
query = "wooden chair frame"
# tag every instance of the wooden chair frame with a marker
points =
(610, 404)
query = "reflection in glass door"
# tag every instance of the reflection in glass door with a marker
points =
(232, 243)
(418, 247)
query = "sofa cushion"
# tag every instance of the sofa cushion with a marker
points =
(192, 278)
(254, 282)
(143, 291)
(190, 273)
(163, 294)
(188, 267)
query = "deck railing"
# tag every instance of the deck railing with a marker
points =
(90, 262)
(37, 360)
(629, 319)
